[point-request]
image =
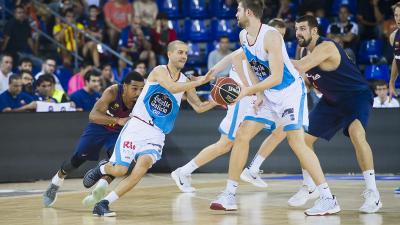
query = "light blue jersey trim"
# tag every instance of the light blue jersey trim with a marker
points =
(300, 116)
(232, 132)
(287, 78)
(262, 120)
(148, 152)
(117, 150)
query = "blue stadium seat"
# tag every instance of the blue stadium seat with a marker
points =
(351, 4)
(221, 10)
(377, 72)
(179, 27)
(197, 55)
(225, 27)
(323, 24)
(196, 9)
(63, 74)
(291, 47)
(370, 50)
(199, 30)
(171, 8)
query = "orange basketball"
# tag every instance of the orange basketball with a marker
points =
(225, 91)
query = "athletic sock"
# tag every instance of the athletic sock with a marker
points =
(231, 186)
(189, 168)
(324, 191)
(369, 177)
(308, 181)
(256, 163)
(103, 169)
(56, 180)
(102, 183)
(112, 197)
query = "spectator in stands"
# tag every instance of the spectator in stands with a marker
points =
(161, 36)
(95, 27)
(49, 67)
(369, 19)
(382, 99)
(17, 35)
(270, 10)
(106, 78)
(14, 99)
(87, 97)
(344, 32)
(135, 46)
(215, 56)
(59, 95)
(27, 82)
(25, 64)
(77, 81)
(285, 11)
(118, 15)
(43, 89)
(141, 68)
(6, 64)
(278, 24)
(72, 40)
(147, 10)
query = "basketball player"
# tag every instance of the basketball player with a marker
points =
(395, 42)
(345, 104)
(281, 101)
(107, 117)
(228, 127)
(142, 138)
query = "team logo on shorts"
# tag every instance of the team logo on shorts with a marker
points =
(160, 104)
(262, 71)
(289, 112)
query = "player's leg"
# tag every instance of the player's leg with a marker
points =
(181, 176)
(248, 129)
(252, 173)
(143, 163)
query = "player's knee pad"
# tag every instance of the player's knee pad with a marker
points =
(72, 164)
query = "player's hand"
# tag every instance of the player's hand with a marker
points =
(244, 91)
(210, 75)
(122, 121)
(259, 101)
(392, 91)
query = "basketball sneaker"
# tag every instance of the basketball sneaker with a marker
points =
(302, 196)
(183, 182)
(397, 191)
(50, 195)
(372, 201)
(101, 209)
(324, 206)
(252, 178)
(225, 201)
(97, 194)
(93, 175)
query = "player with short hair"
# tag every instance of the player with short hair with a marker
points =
(142, 138)
(106, 119)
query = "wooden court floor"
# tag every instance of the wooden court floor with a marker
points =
(156, 200)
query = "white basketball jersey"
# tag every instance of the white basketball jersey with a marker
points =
(258, 59)
(235, 76)
(157, 106)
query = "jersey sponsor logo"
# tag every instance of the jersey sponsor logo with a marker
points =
(314, 77)
(160, 104)
(128, 145)
(115, 106)
(259, 69)
(397, 56)
(289, 112)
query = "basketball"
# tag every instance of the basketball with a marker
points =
(225, 91)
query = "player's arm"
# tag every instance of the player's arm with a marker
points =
(237, 62)
(321, 53)
(394, 71)
(99, 115)
(196, 102)
(31, 106)
(160, 75)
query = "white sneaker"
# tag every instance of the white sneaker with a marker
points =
(252, 178)
(225, 201)
(95, 196)
(372, 201)
(324, 206)
(302, 196)
(183, 182)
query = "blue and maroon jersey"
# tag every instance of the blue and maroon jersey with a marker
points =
(396, 48)
(340, 83)
(117, 108)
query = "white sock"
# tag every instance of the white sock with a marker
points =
(56, 180)
(103, 169)
(189, 168)
(231, 186)
(308, 181)
(112, 197)
(369, 177)
(256, 163)
(324, 191)
(102, 183)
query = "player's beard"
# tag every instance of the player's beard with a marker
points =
(243, 24)
(305, 42)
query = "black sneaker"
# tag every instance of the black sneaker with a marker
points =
(93, 175)
(101, 209)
